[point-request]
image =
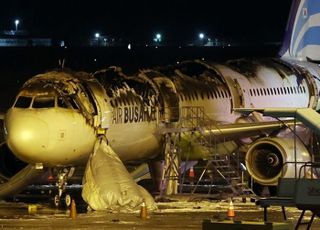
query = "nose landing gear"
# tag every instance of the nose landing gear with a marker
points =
(62, 198)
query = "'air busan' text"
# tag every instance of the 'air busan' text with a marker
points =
(134, 114)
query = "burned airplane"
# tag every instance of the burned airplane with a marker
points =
(63, 119)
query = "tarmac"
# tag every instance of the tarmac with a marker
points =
(180, 212)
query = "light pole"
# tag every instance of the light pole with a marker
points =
(201, 37)
(16, 22)
(97, 35)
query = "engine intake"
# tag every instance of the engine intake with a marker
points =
(266, 157)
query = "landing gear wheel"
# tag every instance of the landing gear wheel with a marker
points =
(67, 200)
(56, 201)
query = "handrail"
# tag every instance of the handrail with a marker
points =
(311, 165)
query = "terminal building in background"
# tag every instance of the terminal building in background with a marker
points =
(12, 38)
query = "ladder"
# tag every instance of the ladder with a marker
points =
(223, 166)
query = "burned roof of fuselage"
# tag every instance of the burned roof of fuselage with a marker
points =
(123, 88)
(56, 80)
(250, 67)
(192, 77)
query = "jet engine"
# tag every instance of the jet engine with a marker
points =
(266, 159)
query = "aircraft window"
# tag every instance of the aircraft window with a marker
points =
(225, 94)
(271, 91)
(250, 91)
(300, 89)
(284, 90)
(202, 96)
(74, 104)
(208, 95)
(304, 89)
(268, 91)
(291, 90)
(258, 92)
(43, 102)
(215, 94)
(218, 93)
(23, 102)
(281, 90)
(61, 103)
(295, 90)
(278, 91)
(265, 92)
(196, 96)
(254, 92)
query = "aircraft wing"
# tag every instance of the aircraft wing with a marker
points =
(307, 116)
(243, 130)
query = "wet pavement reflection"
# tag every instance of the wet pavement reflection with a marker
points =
(177, 213)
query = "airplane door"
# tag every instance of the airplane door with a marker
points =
(170, 99)
(104, 114)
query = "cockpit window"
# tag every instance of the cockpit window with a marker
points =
(43, 102)
(23, 102)
(67, 102)
(62, 103)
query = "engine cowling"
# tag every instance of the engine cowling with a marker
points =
(266, 157)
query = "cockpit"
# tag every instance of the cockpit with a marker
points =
(45, 101)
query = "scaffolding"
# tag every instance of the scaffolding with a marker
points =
(219, 170)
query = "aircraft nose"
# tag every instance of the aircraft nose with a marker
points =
(27, 136)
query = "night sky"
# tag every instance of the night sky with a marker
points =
(177, 20)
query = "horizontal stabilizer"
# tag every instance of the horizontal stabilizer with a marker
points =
(20, 181)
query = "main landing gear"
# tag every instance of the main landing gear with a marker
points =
(61, 198)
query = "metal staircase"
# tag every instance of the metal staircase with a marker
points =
(219, 170)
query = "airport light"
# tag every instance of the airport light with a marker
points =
(16, 22)
(201, 36)
(97, 35)
(158, 37)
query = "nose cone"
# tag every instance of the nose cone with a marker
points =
(27, 136)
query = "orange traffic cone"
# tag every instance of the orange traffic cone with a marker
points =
(143, 211)
(73, 209)
(231, 212)
(191, 172)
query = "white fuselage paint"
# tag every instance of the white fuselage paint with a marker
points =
(69, 139)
